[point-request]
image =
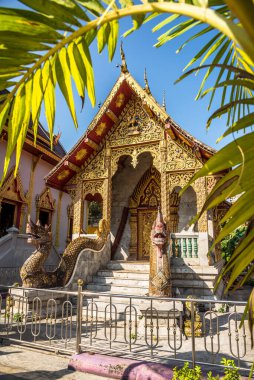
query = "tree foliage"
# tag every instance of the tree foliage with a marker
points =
(230, 242)
(56, 36)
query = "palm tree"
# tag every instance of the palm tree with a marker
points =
(56, 38)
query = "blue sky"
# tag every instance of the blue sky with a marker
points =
(163, 67)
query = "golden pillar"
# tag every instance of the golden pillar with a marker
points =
(58, 218)
(163, 154)
(78, 205)
(107, 187)
(201, 193)
(22, 223)
(133, 249)
(35, 161)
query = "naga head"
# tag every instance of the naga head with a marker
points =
(103, 229)
(159, 233)
(38, 235)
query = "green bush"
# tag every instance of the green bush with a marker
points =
(229, 243)
(231, 372)
(187, 373)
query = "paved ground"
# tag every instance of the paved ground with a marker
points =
(19, 363)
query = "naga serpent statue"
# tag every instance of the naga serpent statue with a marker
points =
(33, 273)
(160, 282)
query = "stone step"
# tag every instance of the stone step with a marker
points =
(123, 274)
(195, 269)
(142, 266)
(120, 281)
(193, 284)
(120, 289)
(192, 277)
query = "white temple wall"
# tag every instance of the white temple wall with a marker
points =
(59, 223)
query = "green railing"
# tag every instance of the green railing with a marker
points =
(184, 246)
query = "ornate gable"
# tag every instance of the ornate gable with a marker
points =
(129, 117)
(137, 125)
(12, 188)
(45, 200)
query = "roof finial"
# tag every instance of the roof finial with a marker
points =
(164, 100)
(124, 64)
(146, 88)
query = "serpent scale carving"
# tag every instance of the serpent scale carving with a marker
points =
(33, 273)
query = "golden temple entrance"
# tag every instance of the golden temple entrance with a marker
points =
(143, 209)
(146, 218)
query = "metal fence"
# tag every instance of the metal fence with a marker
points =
(159, 329)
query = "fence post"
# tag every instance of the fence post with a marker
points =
(79, 315)
(193, 334)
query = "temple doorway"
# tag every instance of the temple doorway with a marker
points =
(125, 184)
(7, 217)
(143, 209)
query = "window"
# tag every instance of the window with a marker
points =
(92, 212)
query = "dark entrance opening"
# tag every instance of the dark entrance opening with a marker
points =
(6, 217)
(44, 218)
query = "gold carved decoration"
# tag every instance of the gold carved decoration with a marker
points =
(12, 188)
(211, 182)
(44, 201)
(77, 205)
(174, 201)
(134, 152)
(135, 125)
(145, 222)
(64, 174)
(82, 153)
(180, 158)
(95, 169)
(200, 188)
(58, 221)
(178, 179)
(195, 319)
(100, 128)
(143, 208)
(120, 100)
(217, 214)
(34, 163)
(92, 187)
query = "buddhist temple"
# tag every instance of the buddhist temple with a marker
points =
(133, 159)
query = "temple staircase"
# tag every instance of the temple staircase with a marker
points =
(122, 277)
(125, 278)
(132, 278)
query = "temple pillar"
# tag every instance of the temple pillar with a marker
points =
(34, 163)
(133, 248)
(201, 192)
(58, 218)
(163, 154)
(23, 216)
(107, 187)
(77, 209)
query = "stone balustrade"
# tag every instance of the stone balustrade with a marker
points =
(184, 245)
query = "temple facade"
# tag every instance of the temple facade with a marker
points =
(133, 159)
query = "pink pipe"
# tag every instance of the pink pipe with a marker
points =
(119, 368)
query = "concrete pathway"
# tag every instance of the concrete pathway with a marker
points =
(19, 363)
